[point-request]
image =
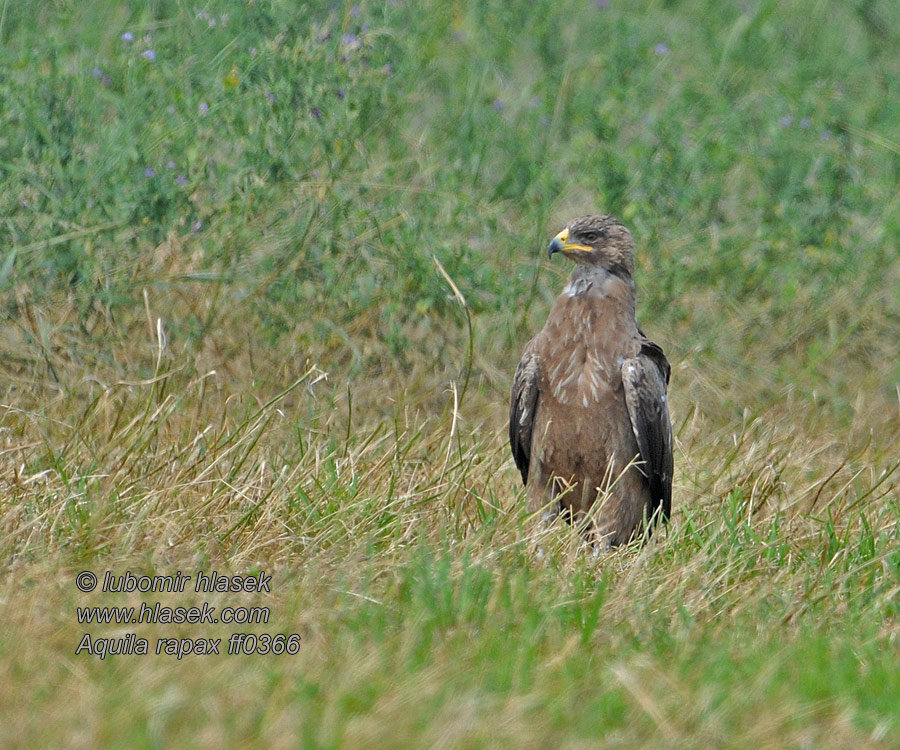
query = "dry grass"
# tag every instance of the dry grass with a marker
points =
(432, 612)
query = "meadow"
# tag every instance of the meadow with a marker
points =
(267, 269)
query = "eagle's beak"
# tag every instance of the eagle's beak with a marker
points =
(561, 244)
(558, 243)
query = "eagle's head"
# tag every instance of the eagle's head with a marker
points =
(597, 240)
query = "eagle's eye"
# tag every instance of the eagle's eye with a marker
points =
(592, 235)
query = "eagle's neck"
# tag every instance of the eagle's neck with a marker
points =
(597, 281)
(589, 333)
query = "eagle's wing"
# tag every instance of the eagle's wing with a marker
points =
(645, 378)
(523, 405)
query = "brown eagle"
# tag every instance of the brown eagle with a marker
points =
(588, 418)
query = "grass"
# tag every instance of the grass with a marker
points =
(264, 290)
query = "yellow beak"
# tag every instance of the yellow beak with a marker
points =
(561, 243)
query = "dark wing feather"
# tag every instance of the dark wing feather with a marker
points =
(523, 406)
(655, 352)
(645, 378)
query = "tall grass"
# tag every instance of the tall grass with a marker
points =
(267, 270)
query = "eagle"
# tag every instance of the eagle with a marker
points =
(588, 419)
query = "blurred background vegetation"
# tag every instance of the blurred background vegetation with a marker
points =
(248, 161)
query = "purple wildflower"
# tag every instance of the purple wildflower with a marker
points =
(661, 49)
(805, 123)
(170, 164)
(355, 11)
(181, 180)
(497, 105)
(270, 97)
(97, 73)
(203, 107)
(148, 172)
(196, 226)
(148, 54)
(348, 39)
(127, 37)
(341, 93)
(316, 112)
(785, 121)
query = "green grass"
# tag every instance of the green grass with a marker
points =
(263, 293)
